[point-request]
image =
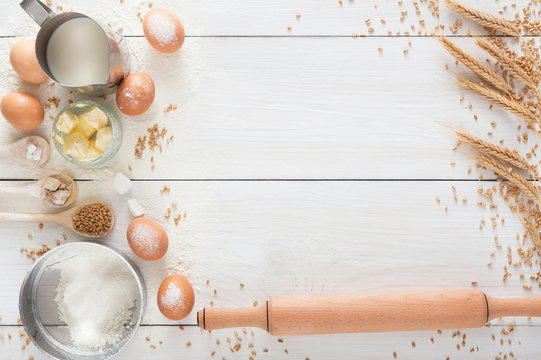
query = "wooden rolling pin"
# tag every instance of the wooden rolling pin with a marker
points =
(371, 312)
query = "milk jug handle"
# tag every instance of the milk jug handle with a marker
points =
(37, 11)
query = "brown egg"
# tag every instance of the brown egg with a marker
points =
(23, 60)
(22, 111)
(135, 94)
(116, 75)
(163, 30)
(175, 297)
(147, 239)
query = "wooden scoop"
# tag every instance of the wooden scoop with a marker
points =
(371, 312)
(17, 150)
(38, 189)
(64, 218)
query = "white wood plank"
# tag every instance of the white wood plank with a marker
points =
(296, 238)
(266, 17)
(284, 109)
(524, 345)
(276, 108)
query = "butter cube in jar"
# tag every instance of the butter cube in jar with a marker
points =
(66, 122)
(86, 133)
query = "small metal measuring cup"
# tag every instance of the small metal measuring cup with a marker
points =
(49, 22)
(39, 310)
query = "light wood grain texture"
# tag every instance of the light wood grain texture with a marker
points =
(228, 318)
(530, 306)
(371, 312)
(352, 313)
(267, 17)
(64, 218)
(36, 190)
(16, 151)
(296, 238)
(252, 109)
(256, 101)
(315, 347)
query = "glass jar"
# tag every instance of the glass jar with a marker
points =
(77, 108)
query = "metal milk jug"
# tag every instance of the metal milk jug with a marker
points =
(49, 22)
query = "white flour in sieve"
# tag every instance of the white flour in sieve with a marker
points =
(96, 297)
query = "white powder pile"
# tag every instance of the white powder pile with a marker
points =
(96, 298)
(145, 237)
(173, 297)
(162, 28)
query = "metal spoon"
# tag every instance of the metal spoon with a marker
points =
(64, 218)
(17, 150)
(37, 190)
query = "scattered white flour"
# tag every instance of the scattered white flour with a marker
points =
(162, 28)
(173, 297)
(169, 70)
(96, 298)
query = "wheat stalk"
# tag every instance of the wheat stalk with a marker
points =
(492, 22)
(535, 60)
(487, 73)
(508, 173)
(512, 157)
(534, 233)
(508, 63)
(529, 223)
(512, 105)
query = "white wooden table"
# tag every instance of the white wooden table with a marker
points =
(307, 161)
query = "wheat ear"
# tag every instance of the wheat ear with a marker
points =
(529, 223)
(505, 26)
(512, 105)
(508, 63)
(535, 61)
(485, 72)
(509, 174)
(512, 157)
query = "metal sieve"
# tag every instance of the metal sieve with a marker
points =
(39, 310)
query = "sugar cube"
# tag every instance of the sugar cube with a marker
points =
(121, 183)
(31, 148)
(36, 155)
(136, 208)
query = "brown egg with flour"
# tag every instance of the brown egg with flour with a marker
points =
(163, 30)
(22, 111)
(25, 63)
(135, 94)
(147, 239)
(175, 297)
